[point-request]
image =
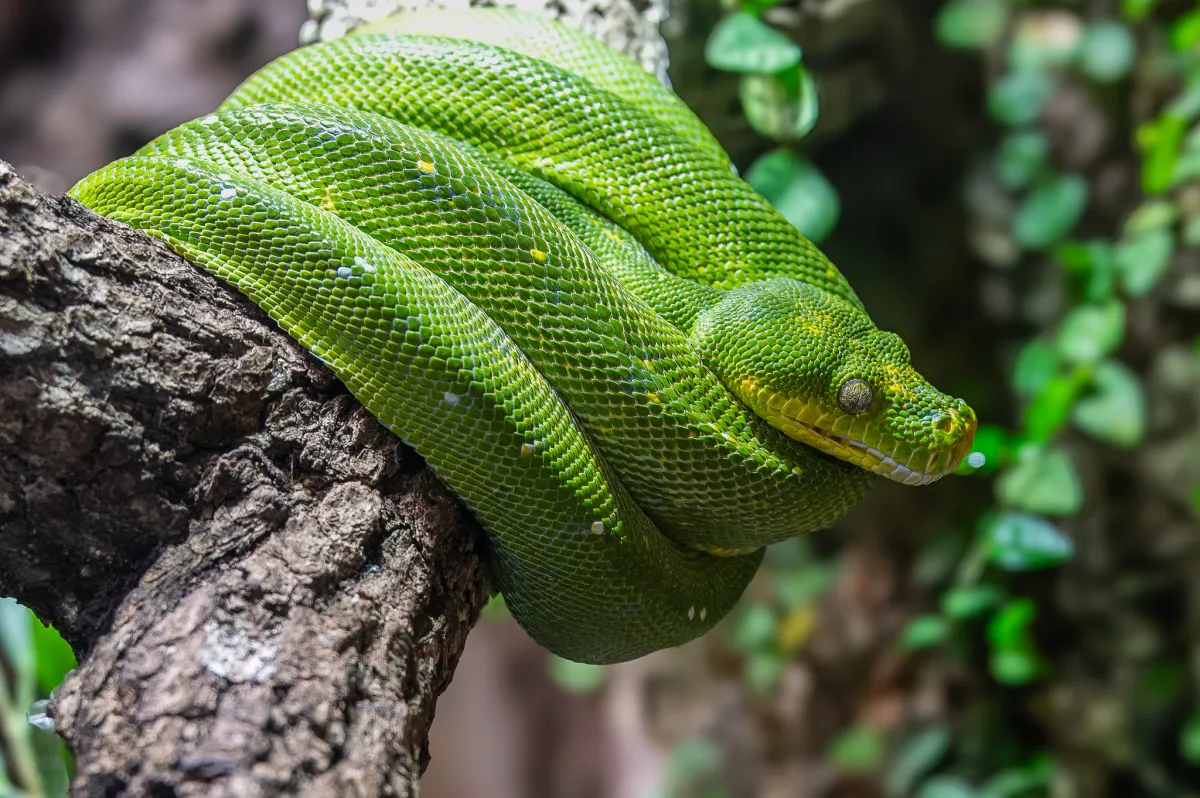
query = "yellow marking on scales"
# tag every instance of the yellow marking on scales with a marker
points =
(718, 551)
(538, 255)
(424, 167)
(329, 203)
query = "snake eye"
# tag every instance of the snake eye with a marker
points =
(854, 397)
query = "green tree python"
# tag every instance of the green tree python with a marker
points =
(530, 261)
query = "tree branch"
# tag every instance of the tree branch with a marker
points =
(266, 590)
(292, 588)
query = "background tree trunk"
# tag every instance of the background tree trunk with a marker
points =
(266, 590)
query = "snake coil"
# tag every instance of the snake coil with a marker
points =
(530, 261)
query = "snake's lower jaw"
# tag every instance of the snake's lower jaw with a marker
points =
(914, 466)
(917, 466)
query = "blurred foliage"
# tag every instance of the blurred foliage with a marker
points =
(34, 659)
(779, 99)
(1069, 381)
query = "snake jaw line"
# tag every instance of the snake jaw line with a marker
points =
(800, 421)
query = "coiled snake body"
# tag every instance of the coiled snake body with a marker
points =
(529, 260)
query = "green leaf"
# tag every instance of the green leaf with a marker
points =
(1142, 259)
(1014, 666)
(1092, 260)
(1082, 257)
(575, 677)
(1043, 481)
(1036, 366)
(1021, 156)
(1187, 168)
(1159, 141)
(1189, 739)
(757, 7)
(1191, 232)
(1187, 104)
(962, 603)
(1020, 542)
(1089, 332)
(947, 787)
(33, 754)
(919, 755)
(54, 656)
(1115, 412)
(1017, 99)
(797, 190)
(1051, 408)
(755, 628)
(762, 670)
(923, 631)
(782, 106)
(970, 23)
(1185, 31)
(1050, 211)
(1134, 10)
(857, 750)
(1017, 782)
(1009, 628)
(16, 639)
(1107, 51)
(744, 43)
(1151, 214)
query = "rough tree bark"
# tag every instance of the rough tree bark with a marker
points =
(291, 588)
(266, 590)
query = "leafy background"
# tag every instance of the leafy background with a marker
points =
(1010, 185)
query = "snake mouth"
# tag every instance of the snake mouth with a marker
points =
(919, 468)
(916, 466)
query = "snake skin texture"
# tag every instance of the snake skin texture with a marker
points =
(534, 265)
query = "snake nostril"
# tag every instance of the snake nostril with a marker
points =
(945, 423)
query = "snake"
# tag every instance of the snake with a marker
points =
(529, 260)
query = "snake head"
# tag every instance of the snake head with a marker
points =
(816, 367)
